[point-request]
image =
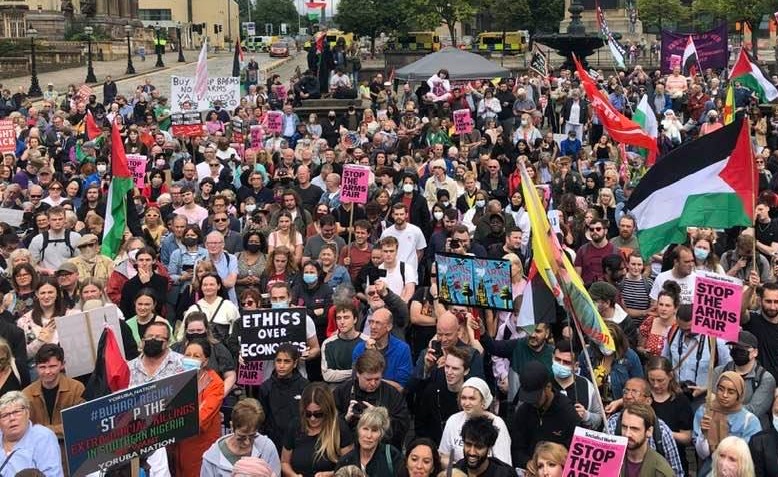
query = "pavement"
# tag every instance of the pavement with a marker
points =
(219, 64)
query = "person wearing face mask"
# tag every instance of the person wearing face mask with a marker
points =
(156, 360)
(764, 444)
(89, 262)
(316, 296)
(189, 452)
(577, 388)
(759, 383)
(417, 211)
(155, 187)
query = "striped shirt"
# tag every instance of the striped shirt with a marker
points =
(635, 293)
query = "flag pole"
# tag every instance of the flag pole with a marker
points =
(577, 326)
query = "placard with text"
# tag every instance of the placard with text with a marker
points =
(716, 305)
(262, 331)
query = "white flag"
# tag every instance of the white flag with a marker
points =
(201, 74)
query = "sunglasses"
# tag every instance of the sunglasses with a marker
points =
(220, 220)
(314, 414)
(87, 245)
(595, 229)
(248, 303)
(35, 196)
(55, 188)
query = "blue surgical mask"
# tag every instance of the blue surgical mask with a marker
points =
(191, 363)
(561, 371)
(279, 304)
(701, 253)
(480, 203)
(775, 422)
(310, 278)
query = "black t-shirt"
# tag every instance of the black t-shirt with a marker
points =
(768, 337)
(303, 449)
(766, 234)
(310, 196)
(678, 415)
(497, 468)
(50, 396)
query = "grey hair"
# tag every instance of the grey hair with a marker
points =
(14, 397)
(343, 294)
(350, 471)
(376, 417)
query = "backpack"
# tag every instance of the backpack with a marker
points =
(47, 241)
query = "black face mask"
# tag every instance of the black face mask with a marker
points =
(740, 356)
(189, 241)
(196, 336)
(152, 348)
(252, 248)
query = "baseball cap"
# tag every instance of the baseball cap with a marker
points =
(746, 339)
(66, 268)
(534, 378)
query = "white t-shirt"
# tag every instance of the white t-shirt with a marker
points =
(686, 284)
(452, 438)
(394, 279)
(410, 240)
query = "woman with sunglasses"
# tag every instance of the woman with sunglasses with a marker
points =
(319, 440)
(244, 444)
(153, 227)
(55, 195)
(251, 261)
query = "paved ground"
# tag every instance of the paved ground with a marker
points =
(218, 65)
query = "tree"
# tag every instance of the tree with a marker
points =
(275, 12)
(431, 13)
(507, 15)
(660, 13)
(546, 15)
(370, 17)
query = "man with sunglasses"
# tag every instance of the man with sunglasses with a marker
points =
(90, 263)
(588, 259)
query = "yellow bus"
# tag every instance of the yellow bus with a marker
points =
(514, 41)
(417, 41)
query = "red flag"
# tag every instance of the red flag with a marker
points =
(618, 126)
(92, 129)
(117, 372)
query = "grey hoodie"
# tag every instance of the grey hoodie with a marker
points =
(216, 465)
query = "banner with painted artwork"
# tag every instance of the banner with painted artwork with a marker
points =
(223, 88)
(470, 281)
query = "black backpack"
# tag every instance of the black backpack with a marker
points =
(47, 241)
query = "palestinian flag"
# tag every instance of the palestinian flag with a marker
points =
(646, 119)
(749, 75)
(237, 59)
(116, 207)
(537, 303)
(690, 61)
(709, 182)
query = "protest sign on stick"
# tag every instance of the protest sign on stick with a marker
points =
(117, 428)
(137, 164)
(463, 122)
(251, 373)
(262, 331)
(7, 136)
(469, 281)
(716, 305)
(275, 121)
(355, 184)
(594, 453)
(189, 124)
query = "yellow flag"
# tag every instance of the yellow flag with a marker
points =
(557, 271)
(729, 106)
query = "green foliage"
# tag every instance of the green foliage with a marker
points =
(9, 48)
(429, 14)
(370, 17)
(507, 15)
(275, 12)
(657, 14)
(545, 15)
(732, 10)
(74, 31)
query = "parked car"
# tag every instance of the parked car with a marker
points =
(279, 50)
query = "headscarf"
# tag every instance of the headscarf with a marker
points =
(719, 426)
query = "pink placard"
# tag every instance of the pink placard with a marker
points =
(463, 123)
(251, 374)
(256, 136)
(595, 453)
(355, 184)
(716, 306)
(137, 164)
(275, 121)
(7, 136)
(675, 60)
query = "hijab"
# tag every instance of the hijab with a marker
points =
(719, 426)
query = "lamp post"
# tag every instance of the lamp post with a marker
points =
(90, 71)
(160, 63)
(130, 66)
(181, 58)
(35, 87)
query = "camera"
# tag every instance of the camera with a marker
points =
(455, 244)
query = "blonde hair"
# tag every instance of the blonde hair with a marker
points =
(11, 361)
(740, 448)
(552, 451)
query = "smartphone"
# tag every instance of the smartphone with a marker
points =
(187, 268)
(437, 348)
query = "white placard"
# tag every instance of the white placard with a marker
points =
(79, 335)
(224, 88)
(12, 217)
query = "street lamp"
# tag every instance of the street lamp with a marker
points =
(160, 63)
(90, 71)
(35, 87)
(180, 44)
(130, 66)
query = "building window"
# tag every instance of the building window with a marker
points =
(154, 14)
(12, 25)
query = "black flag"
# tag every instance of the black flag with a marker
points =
(538, 64)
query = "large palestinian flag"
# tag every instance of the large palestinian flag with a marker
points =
(709, 182)
(750, 75)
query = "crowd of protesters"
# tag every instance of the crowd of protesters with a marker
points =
(392, 381)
